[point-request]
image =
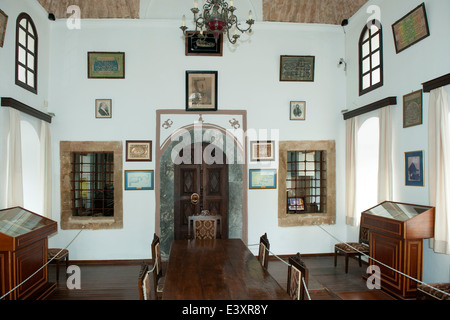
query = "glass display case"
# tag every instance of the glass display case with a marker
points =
(17, 221)
(397, 211)
(23, 254)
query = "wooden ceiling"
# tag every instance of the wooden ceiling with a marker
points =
(295, 11)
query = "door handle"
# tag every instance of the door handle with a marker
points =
(195, 198)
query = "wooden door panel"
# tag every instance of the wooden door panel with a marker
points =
(210, 182)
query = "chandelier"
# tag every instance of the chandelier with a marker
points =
(217, 18)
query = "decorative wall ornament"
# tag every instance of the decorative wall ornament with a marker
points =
(412, 109)
(411, 29)
(106, 65)
(167, 124)
(297, 68)
(235, 124)
(139, 150)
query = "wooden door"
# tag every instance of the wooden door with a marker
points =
(207, 181)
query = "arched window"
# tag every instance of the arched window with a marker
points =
(26, 53)
(370, 57)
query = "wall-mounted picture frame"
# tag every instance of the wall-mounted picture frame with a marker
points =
(413, 109)
(106, 65)
(139, 180)
(138, 150)
(297, 110)
(297, 68)
(103, 108)
(414, 169)
(262, 178)
(411, 28)
(203, 46)
(201, 90)
(262, 150)
(3, 24)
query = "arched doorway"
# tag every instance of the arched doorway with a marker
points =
(236, 216)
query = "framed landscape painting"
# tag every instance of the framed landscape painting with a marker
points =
(263, 178)
(139, 180)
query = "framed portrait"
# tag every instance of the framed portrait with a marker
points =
(103, 108)
(203, 46)
(106, 65)
(412, 109)
(201, 90)
(411, 29)
(3, 23)
(139, 180)
(297, 68)
(414, 174)
(297, 110)
(262, 150)
(263, 178)
(140, 150)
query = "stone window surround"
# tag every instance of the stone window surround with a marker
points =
(291, 220)
(69, 222)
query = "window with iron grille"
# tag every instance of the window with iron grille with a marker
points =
(93, 184)
(306, 182)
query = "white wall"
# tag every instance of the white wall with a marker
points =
(155, 79)
(404, 73)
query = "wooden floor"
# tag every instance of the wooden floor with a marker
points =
(119, 282)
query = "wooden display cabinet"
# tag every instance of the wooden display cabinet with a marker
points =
(23, 251)
(396, 233)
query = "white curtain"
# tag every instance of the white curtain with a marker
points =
(438, 141)
(385, 181)
(46, 169)
(350, 171)
(15, 180)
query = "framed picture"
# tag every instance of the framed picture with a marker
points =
(139, 180)
(297, 110)
(3, 23)
(262, 150)
(263, 178)
(201, 90)
(414, 175)
(297, 68)
(412, 109)
(208, 46)
(106, 65)
(411, 29)
(139, 150)
(103, 108)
